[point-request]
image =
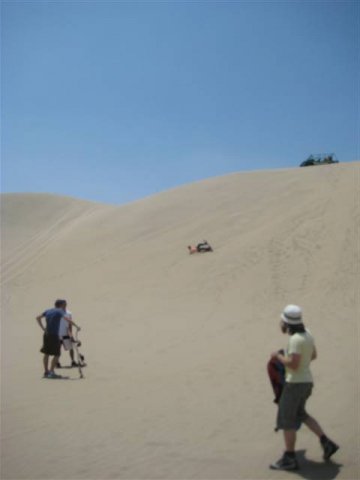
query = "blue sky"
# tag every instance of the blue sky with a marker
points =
(115, 101)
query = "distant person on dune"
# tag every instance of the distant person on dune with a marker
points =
(297, 389)
(200, 248)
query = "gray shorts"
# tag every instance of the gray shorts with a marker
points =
(292, 411)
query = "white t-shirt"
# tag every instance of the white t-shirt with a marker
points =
(303, 344)
(64, 324)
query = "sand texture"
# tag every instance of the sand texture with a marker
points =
(177, 344)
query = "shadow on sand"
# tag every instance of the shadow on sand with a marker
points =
(316, 470)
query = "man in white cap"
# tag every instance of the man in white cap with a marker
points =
(297, 389)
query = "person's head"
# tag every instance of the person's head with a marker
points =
(59, 303)
(291, 320)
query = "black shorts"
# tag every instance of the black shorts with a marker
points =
(51, 345)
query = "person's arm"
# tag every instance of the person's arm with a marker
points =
(293, 355)
(39, 320)
(71, 322)
(314, 354)
(291, 361)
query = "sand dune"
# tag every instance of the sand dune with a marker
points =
(176, 386)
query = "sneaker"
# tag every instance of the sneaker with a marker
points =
(329, 448)
(285, 463)
(45, 374)
(53, 375)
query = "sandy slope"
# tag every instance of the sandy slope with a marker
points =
(176, 344)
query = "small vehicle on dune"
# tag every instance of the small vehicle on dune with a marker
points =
(319, 159)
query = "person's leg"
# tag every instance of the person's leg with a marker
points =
(54, 362)
(74, 363)
(51, 373)
(288, 460)
(329, 447)
(313, 425)
(286, 421)
(58, 364)
(46, 364)
(52, 350)
(290, 440)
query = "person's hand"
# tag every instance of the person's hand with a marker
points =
(78, 328)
